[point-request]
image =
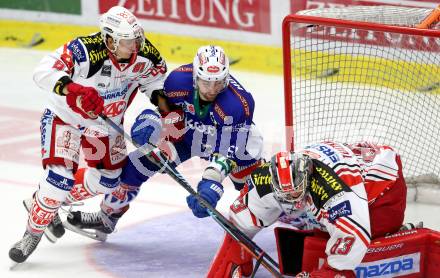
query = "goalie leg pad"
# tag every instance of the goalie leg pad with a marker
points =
(412, 253)
(229, 256)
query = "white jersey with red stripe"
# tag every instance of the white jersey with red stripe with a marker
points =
(86, 60)
(336, 201)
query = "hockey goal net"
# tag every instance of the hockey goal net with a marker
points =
(365, 73)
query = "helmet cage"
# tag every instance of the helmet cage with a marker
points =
(290, 174)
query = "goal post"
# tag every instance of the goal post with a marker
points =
(364, 73)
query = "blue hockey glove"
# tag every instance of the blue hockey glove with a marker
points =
(146, 128)
(209, 190)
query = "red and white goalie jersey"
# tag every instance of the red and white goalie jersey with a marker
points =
(344, 180)
(86, 60)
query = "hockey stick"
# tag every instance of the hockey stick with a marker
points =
(270, 264)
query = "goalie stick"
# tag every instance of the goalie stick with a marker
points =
(157, 157)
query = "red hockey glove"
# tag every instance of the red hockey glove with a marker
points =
(173, 125)
(85, 101)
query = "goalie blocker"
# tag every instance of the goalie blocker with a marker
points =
(411, 253)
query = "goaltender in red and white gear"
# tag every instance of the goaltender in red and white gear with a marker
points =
(336, 196)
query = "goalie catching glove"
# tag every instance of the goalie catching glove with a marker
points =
(85, 101)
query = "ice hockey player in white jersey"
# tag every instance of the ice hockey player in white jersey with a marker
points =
(90, 75)
(354, 192)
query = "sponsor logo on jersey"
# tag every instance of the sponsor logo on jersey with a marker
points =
(184, 69)
(59, 181)
(92, 40)
(188, 107)
(259, 179)
(200, 127)
(78, 52)
(340, 210)
(328, 152)
(398, 266)
(108, 182)
(219, 111)
(175, 94)
(238, 205)
(97, 56)
(150, 49)
(235, 87)
(331, 181)
(46, 119)
(115, 94)
(115, 108)
(106, 70)
(318, 190)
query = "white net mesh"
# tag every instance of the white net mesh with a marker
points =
(351, 84)
(389, 15)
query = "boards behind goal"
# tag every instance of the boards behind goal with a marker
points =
(365, 73)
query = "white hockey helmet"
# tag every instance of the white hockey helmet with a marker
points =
(120, 24)
(211, 64)
(290, 175)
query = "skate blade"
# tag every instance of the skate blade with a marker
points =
(96, 235)
(51, 237)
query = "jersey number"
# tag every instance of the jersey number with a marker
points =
(342, 246)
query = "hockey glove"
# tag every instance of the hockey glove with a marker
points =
(146, 128)
(209, 190)
(85, 101)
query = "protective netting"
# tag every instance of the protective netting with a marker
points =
(352, 83)
(389, 15)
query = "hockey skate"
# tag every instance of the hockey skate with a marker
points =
(55, 229)
(95, 225)
(24, 248)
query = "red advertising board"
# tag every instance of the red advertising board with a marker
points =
(244, 15)
(297, 5)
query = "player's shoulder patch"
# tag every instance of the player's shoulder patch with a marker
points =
(150, 52)
(78, 51)
(325, 184)
(261, 179)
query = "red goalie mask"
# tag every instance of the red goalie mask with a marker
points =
(290, 173)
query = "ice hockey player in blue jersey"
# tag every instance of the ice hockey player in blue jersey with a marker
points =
(205, 112)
